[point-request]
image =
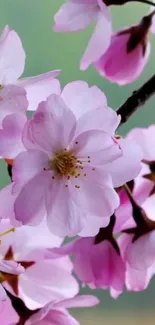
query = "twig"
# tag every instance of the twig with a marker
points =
(136, 100)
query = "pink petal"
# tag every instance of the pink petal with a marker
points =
(3, 295)
(78, 302)
(144, 138)
(27, 165)
(55, 284)
(99, 41)
(73, 16)
(48, 128)
(33, 194)
(137, 280)
(124, 68)
(63, 215)
(12, 100)
(130, 160)
(12, 57)
(141, 254)
(81, 98)
(54, 316)
(11, 135)
(149, 206)
(11, 267)
(7, 312)
(98, 185)
(92, 224)
(38, 88)
(106, 151)
(7, 201)
(102, 118)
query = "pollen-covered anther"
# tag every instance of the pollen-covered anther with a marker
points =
(64, 163)
(1, 277)
(77, 186)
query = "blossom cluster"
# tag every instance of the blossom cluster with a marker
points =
(73, 176)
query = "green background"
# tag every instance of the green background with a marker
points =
(46, 50)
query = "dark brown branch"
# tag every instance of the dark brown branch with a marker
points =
(136, 100)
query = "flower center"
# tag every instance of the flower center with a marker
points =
(64, 163)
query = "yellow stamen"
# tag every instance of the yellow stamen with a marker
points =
(7, 232)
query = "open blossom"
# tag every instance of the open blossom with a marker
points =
(66, 162)
(127, 54)
(57, 313)
(12, 62)
(43, 280)
(138, 244)
(143, 184)
(76, 15)
(98, 265)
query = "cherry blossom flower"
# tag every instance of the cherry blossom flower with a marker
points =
(128, 53)
(64, 158)
(97, 261)
(44, 280)
(76, 15)
(98, 265)
(144, 183)
(136, 216)
(12, 62)
(66, 165)
(56, 313)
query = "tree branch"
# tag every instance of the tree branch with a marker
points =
(136, 100)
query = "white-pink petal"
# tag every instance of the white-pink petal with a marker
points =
(99, 41)
(12, 57)
(38, 88)
(130, 160)
(81, 98)
(73, 16)
(11, 135)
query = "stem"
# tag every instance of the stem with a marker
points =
(122, 2)
(136, 100)
(147, 2)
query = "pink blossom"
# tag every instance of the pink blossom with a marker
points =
(56, 313)
(138, 246)
(127, 54)
(143, 183)
(98, 265)
(12, 62)
(69, 166)
(66, 163)
(76, 15)
(44, 280)
(8, 316)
